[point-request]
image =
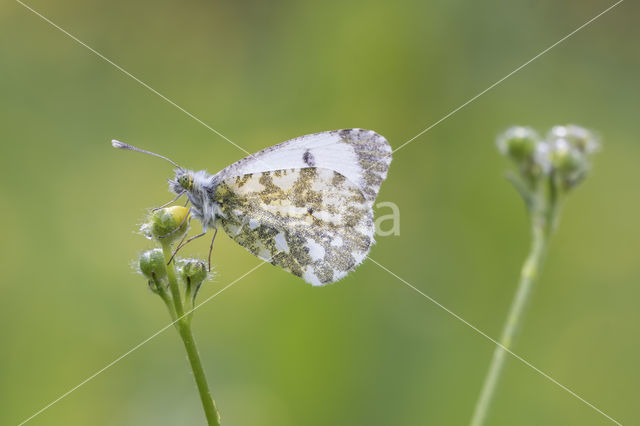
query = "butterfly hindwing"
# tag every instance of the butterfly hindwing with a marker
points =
(312, 222)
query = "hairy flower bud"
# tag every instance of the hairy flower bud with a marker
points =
(152, 264)
(167, 224)
(193, 273)
(525, 148)
(569, 163)
(194, 270)
(518, 143)
(578, 137)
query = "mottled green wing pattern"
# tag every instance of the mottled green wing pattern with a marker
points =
(312, 222)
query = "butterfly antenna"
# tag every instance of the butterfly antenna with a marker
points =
(122, 145)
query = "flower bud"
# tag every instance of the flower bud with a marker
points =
(167, 224)
(152, 265)
(578, 137)
(193, 272)
(524, 146)
(568, 161)
(518, 143)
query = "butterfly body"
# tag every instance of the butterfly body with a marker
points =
(304, 205)
(199, 187)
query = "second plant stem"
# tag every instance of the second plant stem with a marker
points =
(542, 224)
(183, 325)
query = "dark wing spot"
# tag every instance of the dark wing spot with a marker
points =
(310, 210)
(308, 159)
(344, 133)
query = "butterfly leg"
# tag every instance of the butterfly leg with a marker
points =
(179, 226)
(178, 247)
(211, 247)
(170, 202)
(184, 243)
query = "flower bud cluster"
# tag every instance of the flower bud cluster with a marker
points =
(166, 226)
(562, 156)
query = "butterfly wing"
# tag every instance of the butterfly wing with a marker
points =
(312, 222)
(362, 156)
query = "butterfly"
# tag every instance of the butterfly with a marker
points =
(304, 205)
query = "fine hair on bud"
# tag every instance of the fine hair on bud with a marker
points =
(525, 148)
(152, 265)
(193, 273)
(518, 143)
(167, 224)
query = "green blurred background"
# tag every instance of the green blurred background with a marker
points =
(368, 350)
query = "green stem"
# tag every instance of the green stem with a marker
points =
(183, 324)
(209, 405)
(173, 283)
(162, 292)
(542, 222)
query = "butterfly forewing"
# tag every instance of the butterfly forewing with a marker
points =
(311, 221)
(362, 156)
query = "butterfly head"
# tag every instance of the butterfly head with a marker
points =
(183, 181)
(194, 184)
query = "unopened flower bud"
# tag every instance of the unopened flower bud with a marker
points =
(193, 272)
(518, 143)
(152, 265)
(578, 137)
(524, 146)
(569, 162)
(167, 224)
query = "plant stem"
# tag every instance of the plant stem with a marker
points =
(183, 325)
(542, 224)
(173, 283)
(209, 405)
(162, 292)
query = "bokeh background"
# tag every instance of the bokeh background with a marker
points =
(365, 351)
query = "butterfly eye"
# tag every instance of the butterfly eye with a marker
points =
(185, 181)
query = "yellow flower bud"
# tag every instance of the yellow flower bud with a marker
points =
(167, 224)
